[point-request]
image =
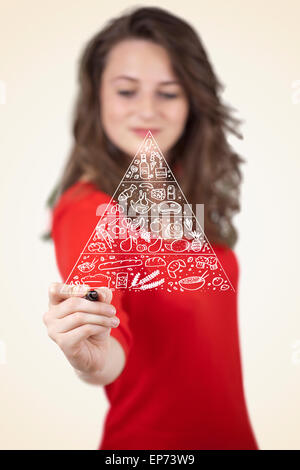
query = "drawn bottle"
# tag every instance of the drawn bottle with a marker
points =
(144, 167)
(171, 192)
(127, 193)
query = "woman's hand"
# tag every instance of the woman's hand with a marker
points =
(81, 327)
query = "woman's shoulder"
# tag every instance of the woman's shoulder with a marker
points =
(80, 201)
(81, 192)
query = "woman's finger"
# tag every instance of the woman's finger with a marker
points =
(70, 322)
(78, 304)
(105, 293)
(67, 341)
(59, 292)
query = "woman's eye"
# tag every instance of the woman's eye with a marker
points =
(125, 92)
(169, 95)
(165, 95)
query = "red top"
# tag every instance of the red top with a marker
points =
(182, 385)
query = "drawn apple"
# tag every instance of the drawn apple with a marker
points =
(217, 281)
(126, 245)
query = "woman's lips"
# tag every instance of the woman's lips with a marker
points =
(143, 132)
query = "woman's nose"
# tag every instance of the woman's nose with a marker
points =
(147, 106)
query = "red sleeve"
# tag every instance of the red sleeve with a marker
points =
(73, 221)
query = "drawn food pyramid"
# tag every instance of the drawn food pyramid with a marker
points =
(148, 237)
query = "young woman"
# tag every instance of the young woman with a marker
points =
(172, 368)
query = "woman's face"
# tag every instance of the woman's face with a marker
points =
(142, 100)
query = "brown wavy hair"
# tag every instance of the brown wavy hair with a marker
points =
(210, 168)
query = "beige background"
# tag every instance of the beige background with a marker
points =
(254, 47)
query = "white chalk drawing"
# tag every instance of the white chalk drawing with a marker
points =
(120, 264)
(174, 266)
(99, 247)
(156, 245)
(171, 192)
(148, 237)
(153, 284)
(87, 266)
(126, 245)
(173, 230)
(193, 282)
(224, 287)
(217, 281)
(149, 277)
(167, 207)
(158, 194)
(197, 236)
(145, 236)
(135, 279)
(155, 225)
(146, 185)
(127, 193)
(122, 280)
(155, 261)
(143, 204)
(102, 233)
(141, 247)
(132, 171)
(96, 280)
(210, 262)
(177, 246)
(117, 208)
(144, 284)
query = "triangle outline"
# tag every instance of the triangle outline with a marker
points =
(112, 202)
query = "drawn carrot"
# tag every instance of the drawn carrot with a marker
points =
(105, 235)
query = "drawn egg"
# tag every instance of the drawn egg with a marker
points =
(224, 287)
(217, 281)
(141, 247)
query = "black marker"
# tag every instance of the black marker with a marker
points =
(92, 295)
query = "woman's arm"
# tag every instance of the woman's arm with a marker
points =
(113, 368)
(74, 219)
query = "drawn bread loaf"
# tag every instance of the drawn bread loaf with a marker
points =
(125, 263)
(155, 261)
